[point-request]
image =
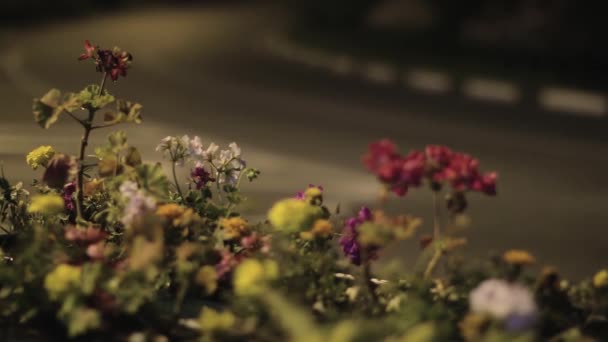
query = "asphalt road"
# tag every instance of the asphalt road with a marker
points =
(204, 71)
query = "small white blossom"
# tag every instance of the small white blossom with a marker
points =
(502, 300)
(138, 203)
(210, 153)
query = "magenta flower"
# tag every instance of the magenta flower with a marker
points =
(200, 176)
(67, 193)
(350, 245)
(437, 164)
(380, 154)
(114, 62)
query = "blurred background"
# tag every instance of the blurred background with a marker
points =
(304, 85)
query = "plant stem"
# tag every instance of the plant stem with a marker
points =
(436, 216)
(84, 142)
(367, 276)
(433, 262)
(179, 190)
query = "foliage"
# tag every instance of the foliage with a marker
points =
(111, 248)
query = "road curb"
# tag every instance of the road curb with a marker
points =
(550, 98)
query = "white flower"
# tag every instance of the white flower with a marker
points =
(236, 150)
(138, 205)
(195, 147)
(128, 189)
(502, 300)
(225, 157)
(164, 145)
(210, 153)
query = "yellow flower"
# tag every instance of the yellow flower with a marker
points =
(251, 275)
(211, 320)
(177, 214)
(46, 204)
(293, 215)
(313, 195)
(518, 257)
(600, 279)
(40, 156)
(63, 278)
(92, 186)
(472, 327)
(321, 229)
(233, 228)
(207, 278)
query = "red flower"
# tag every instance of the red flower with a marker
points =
(114, 62)
(89, 51)
(438, 155)
(379, 154)
(486, 183)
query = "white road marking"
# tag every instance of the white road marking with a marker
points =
(573, 101)
(491, 90)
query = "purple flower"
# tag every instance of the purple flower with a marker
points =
(200, 176)
(350, 245)
(67, 193)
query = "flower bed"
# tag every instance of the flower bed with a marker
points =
(107, 247)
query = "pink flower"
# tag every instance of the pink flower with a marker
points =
(438, 155)
(380, 153)
(114, 62)
(486, 183)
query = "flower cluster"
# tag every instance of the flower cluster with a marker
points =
(508, 302)
(138, 203)
(210, 164)
(40, 156)
(436, 165)
(349, 241)
(114, 62)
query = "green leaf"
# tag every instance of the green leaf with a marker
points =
(133, 157)
(153, 179)
(129, 111)
(47, 109)
(118, 140)
(89, 97)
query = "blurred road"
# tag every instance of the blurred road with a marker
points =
(203, 71)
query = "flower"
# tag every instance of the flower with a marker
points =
(509, 302)
(438, 155)
(63, 278)
(379, 154)
(233, 228)
(518, 257)
(177, 214)
(176, 148)
(211, 320)
(210, 153)
(67, 193)
(114, 62)
(89, 235)
(138, 203)
(207, 277)
(600, 279)
(349, 241)
(251, 275)
(200, 176)
(58, 170)
(89, 50)
(48, 204)
(292, 215)
(313, 194)
(227, 263)
(321, 229)
(39, 156)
